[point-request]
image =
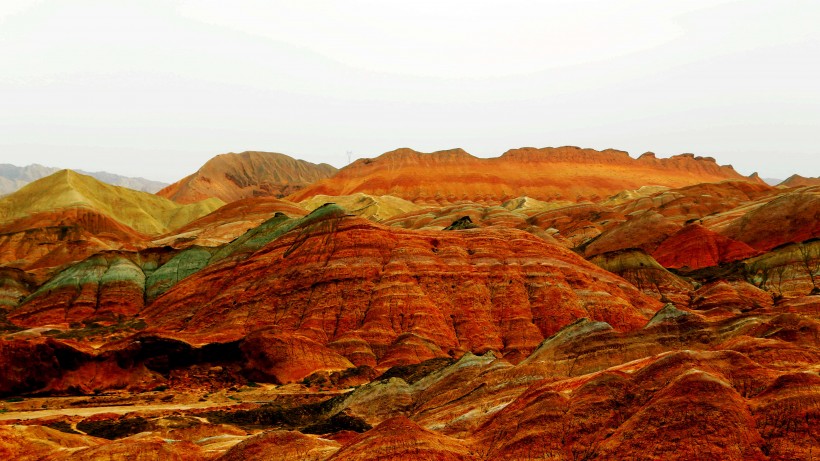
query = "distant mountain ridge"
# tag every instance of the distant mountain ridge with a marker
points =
(796, 180)
(13, 177)
(231, 177)
(559, 173)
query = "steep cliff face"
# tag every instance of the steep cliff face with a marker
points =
(232, 177)
(382, 297)
(568, 173)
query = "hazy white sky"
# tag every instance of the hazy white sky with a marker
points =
(155, 88)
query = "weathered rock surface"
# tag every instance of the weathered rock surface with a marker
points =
(696, 247)
(579, 223)
(790, 270)
(30, 443)
(103, 287)
(282, 446)
(45, 242)
(697, 201)
(259, 332)
(137, 448)
(382, 297)
(440, 218)
(401, 439)
(15, 286)
(643, 413)
(182, 265)
(285, 358)
(789, 217)
(729, 295)
(645, 231)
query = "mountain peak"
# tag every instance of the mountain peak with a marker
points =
(66, 189)
(231, 177)
(796, 180)
(406, 155)
(12, 178)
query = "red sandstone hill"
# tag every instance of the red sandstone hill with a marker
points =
(232, 177)
(568, 173)
(54, 239)
(796, 180)
(695, 247)
(337, 290)
(791, 216)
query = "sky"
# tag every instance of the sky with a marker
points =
(154, 88)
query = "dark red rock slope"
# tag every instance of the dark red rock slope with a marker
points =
(382, 296)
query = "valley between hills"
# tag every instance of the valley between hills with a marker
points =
(555, 303)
